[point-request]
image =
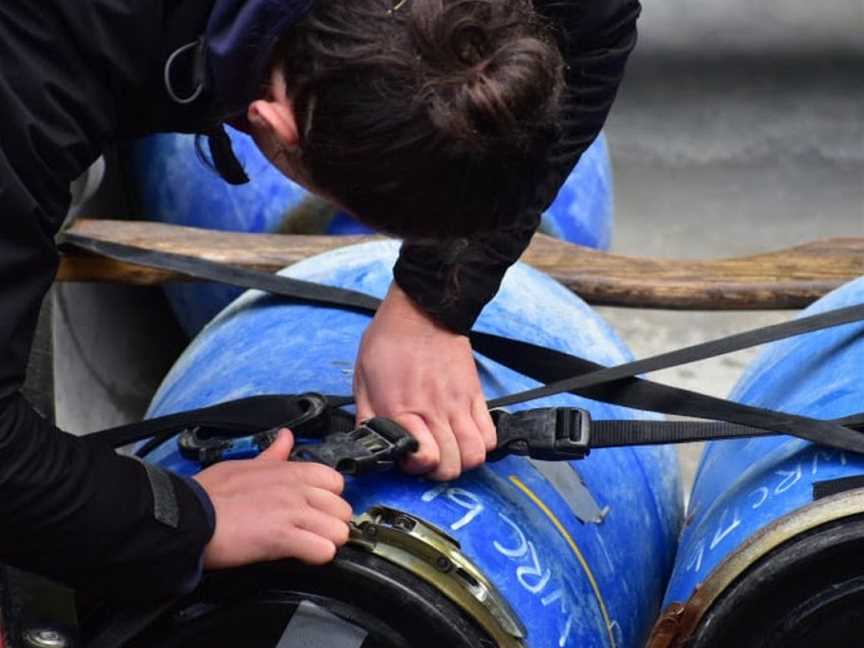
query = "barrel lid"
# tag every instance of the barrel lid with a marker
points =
(801, 575)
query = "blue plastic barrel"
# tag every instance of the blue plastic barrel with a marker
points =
(583, 211)
(770, 557)
(170, 183)
(580, 551)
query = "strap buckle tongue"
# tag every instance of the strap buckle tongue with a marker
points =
(374, 446)
(547, 434)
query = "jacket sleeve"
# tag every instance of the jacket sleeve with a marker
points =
(453, 281)
(69, 509)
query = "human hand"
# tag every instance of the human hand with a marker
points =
(269, 508)
(421, 375)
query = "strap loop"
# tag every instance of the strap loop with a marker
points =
(199, 74)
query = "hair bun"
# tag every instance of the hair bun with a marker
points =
(425, 118)
(492, 72)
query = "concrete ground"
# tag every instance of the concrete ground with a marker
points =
(753, 145)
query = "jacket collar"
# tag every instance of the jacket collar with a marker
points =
(240, 38)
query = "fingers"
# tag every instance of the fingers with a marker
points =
(361, 401)
(308, 546)
(325, 526)
(428, 456)
(483, 421)
(280, 449)
(447, 449)
(321, 529)
(315, 475)
(450, 464)
(329, 503)
(472, 448)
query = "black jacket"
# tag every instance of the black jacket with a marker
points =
(75, 76)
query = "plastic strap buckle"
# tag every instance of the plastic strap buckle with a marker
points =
(208, 445)
(548, 434)
(375, 446)
(208, 448)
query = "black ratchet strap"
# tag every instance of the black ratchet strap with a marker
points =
(560, 372)
(246, 426)
(569, 433)
(374, 446)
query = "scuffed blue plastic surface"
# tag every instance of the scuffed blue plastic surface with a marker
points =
(744, 485)
(583, 211)
(173, 185)
(259, 345)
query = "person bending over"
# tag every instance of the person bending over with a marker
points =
(449, 123)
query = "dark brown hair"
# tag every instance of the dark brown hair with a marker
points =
(425, 118)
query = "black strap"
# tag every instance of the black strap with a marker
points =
(547, 365)
(616, 434)
(248, 415)
(274, 284)
(823, 489)
(694, 353)
(617, 385)
(569, 433)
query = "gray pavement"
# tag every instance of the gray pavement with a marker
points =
(759, 27)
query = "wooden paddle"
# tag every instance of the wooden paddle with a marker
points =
(790, 278)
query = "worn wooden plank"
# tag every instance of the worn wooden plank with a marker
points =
(790, 278)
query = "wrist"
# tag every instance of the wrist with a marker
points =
(398, 305)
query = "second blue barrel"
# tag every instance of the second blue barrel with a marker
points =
(170, 182)
(773, 551)
(566, 554)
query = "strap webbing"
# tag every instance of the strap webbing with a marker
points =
(695, 353)
(249, 415)
(616, 434)
(562, 372)
(547, 365)
(227, 274)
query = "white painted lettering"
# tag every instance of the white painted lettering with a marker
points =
(790, 478)
(468, 501)
(534, 569)
(761, 494)
(722, 532)
(565, 633)
(521, 549)
(694, 562)
(433, 493)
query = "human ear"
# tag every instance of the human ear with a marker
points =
(275, 116)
